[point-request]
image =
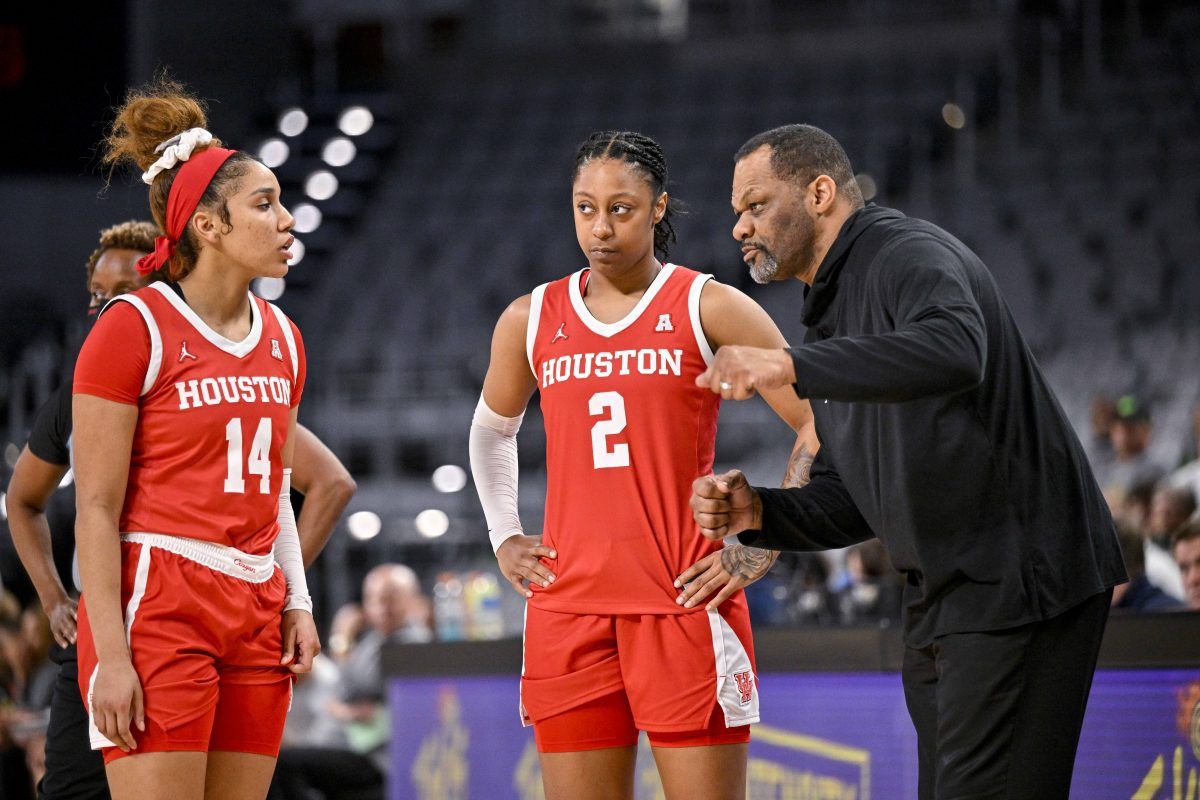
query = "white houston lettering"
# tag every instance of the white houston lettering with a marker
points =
(581, 366)
(233, 389)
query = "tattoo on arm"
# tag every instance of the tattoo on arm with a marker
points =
(799, 467)
(747, 563)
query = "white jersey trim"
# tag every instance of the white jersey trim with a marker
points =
(731, 658)
(535, 319)
(694, 312)
(217, 557)
(140, 578)
(282, 319)
(237, 349)
(156, 349)
(608, 329)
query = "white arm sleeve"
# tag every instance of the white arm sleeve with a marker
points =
(287, 551)
(493, 446)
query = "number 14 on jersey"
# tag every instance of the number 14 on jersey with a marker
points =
(257, 463)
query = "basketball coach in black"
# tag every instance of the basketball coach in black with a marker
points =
(939, 435)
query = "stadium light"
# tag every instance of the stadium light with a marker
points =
(67, 479)
(308, 217)
(11, 454)
(866, 185)
(3, 506)
(274, 152)
(355, 120)
(321, 185)
(270, 289)
(954, 116)
(449, 478)
(293, 121)
(432, 523)
(364, 525)
(338, 151)
(297, 253)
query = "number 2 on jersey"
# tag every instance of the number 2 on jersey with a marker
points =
(259, 461)
(602, 455)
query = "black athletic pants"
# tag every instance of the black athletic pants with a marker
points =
(998, 714)
(74, 771)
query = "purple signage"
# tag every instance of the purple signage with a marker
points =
(828, 736)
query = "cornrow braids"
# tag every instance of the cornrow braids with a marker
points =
(132, 235)
(645, 155)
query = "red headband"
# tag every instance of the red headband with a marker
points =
(189, 186)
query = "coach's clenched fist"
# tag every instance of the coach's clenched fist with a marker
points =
(725, 504)
(737, 372)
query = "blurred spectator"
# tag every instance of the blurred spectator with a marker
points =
(1132, 463)
(1186, 549)
(26, 678)
(1139, 594)
(1170, 508)
(874, 590)
(1133, 503)
(1098, 445)
(344, 755)
(344, 631)
(1189, 474)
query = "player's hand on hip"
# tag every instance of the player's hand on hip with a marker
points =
(725, 504)
(117, 703)
(737, 372)
(728, 570)
(519, 558)
(300, 641)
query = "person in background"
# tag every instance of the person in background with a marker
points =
(874, 591)
(349, 757)
(1186, 549)
(1132, 464)
(1170, 507)
(1139, 594)
(1189, 473)
(1098, 443)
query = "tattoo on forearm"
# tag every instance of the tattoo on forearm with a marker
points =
(799, 467)
(747, 563)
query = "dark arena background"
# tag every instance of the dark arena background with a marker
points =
(425, 148)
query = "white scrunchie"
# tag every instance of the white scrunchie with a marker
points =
(176, 149)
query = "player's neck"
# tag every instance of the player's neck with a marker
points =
(219, 301)
(633, 281)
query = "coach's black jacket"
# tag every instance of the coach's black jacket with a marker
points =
(940, 435)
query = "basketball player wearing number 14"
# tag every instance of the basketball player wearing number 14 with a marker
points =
(614, 350)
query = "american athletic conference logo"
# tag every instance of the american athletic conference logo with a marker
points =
(745, 685)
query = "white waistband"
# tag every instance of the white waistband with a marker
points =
(218, 557)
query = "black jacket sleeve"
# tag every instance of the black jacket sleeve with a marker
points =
(817, 516)
(937, 346)
(51, 431)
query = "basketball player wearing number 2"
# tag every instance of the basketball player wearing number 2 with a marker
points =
(614, 350)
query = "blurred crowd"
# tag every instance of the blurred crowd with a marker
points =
(1153, 502)
(26, 681)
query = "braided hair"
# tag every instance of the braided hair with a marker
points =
(645, 155)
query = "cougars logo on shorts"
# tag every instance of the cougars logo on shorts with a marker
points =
(745, 684)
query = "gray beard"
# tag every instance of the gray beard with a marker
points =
(765, 267)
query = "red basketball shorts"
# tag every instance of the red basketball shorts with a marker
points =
(593, 681)
(204, 626)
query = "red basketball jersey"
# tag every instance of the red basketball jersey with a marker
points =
(213, 415)
(627, 432)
